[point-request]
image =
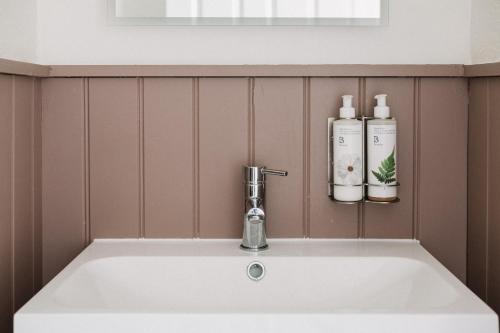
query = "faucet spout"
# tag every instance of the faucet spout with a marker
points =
(254, 232)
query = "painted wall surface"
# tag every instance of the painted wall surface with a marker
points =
(485, 31)
(18, 30)
(448, 31)
(420, 32)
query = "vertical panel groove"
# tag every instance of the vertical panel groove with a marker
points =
(251, 121)
(39, 230)
(34, 173)
(488, 146)
(86, 161)
(416, 173)
(362, 110)
(249, 136)
(306, 157)
(12, 194)
(34, 101)
(142, 194)
(196, 157)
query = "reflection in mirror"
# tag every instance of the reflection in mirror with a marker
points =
(248, 12)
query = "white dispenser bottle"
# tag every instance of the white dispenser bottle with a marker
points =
(348, 154)
(381, 153)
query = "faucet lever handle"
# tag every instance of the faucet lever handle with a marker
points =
(273, 172)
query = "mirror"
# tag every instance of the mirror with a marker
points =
(248, 12)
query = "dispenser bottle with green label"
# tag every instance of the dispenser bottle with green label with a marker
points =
(382, 153)
(348, 154)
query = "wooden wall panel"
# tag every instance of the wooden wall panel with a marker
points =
(483, 270)
(493, 191)
(477, 202)
(63, 173)
(37, 186)
(394, 221)
(6, 106)
(326, 218)
(169, 160)
(279, 144)
(114, 127)
(23, 222)
(224, 129)
(443, 171)
(18, 255)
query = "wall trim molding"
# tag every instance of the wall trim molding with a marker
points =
(23, 68)
(258, 71)
(483, 70)
(28, 69)
(337, 70)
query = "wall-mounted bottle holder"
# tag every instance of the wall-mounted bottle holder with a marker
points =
(365, 184)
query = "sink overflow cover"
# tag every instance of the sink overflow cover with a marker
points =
(256, 271)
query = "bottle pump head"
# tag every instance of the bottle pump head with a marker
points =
(347, 111)
(381, 109)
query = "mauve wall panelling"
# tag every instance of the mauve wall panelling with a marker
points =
(325, 218)
(165, 158)
(6, 103)
(494, 194)
(19, 252)
(279, 116)
(223, 148)
(169, 157)
(484, 190)
(63, 173)
(114, 156)
(37, 186)
(394, 221)
(23, 218)
(477, 247)
(442, 177)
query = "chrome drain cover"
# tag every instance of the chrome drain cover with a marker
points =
(256, 271)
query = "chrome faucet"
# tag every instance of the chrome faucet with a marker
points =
(254, 220)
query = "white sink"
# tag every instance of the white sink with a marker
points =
(202, 286)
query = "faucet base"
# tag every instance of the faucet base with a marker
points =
(254, 249)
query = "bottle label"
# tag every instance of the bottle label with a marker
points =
(348, 154)
(381, 143)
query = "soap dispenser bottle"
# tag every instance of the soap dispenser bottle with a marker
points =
(381, 153)
(348, 154)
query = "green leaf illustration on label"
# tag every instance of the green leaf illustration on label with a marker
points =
(386, 170)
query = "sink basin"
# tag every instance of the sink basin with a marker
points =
(305, 286)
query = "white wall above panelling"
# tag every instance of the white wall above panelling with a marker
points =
(18, 23)
(485, 31)
(420, 32)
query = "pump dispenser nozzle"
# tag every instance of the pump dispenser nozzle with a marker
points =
(381, 100)
(382, 110)
(347, 111)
